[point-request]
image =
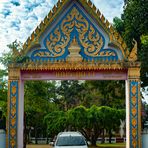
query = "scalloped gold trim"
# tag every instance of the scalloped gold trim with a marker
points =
(77, 65)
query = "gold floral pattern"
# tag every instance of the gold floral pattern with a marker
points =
(134, 143)
(13, 100)
(134, 119)
(13, 90)
(134, 89)
(13, 143)
(134, 122)
(134, 111)
(13, 111)
(134, 132)
(13, 132)
(134, 101)
(13, 121)
(90, 39)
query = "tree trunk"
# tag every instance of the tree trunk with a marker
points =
(93, 140)
(103, 137)
(110, 135)
(47, 139)
(36, 141)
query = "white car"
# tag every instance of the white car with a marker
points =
(70, 140)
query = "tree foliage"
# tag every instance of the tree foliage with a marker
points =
(105, 93)
(133, 25)
(37, 105)
(90, 121)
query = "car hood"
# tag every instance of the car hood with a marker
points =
(70, 147)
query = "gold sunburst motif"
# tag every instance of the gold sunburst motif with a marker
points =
(134, 90)
(134, 122)
(13, 132)
(134, 132)
(134, 100)
(13, 100)
(13, 111)
(134, 143)
(13, 143)
(134, 111)
(13, 121)
(13, 90)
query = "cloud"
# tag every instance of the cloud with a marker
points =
(110, 8)
(18, 18)
(15, 2)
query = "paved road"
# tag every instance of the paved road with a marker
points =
(39, 146)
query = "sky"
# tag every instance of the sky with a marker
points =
(18, 18)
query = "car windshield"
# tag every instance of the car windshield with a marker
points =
(70, 141)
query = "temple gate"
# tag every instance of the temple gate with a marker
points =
(74, 41)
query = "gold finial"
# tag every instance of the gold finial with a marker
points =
(133, 54)
(74, 50)
(74, 42)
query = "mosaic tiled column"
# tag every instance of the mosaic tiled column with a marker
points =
(13, 100)
(13, 114)
(134, 109)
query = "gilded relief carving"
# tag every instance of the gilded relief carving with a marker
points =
(133, 54)
(13, 90)
(13, 87)
(89, 38)
(14, 74)
(13, 143)
(13, 100)
(134, 90)
(134, 113)
(13, 121)
(134, 100)
(74, 50)
(13, 132)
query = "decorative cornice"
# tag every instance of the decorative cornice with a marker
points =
(74, 65)
(115, 38)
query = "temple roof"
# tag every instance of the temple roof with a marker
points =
(114, 37)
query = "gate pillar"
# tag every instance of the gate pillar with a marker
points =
(15, 110)
(133, 109)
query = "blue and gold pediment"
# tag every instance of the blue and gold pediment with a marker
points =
(76, 25)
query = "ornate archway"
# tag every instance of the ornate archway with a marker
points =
(74, 41)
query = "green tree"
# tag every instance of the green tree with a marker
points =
(110, 120)
(78, 120)
(91, 122)
(119, 25)
(56, 122)
(3, 97)
(106, 93)
(69, 93)
(94, 122)
(37, 105)
(133, 25)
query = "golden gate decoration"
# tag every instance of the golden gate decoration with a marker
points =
(74, 41)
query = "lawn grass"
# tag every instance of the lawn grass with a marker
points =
(116, 145)
(113, 145)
